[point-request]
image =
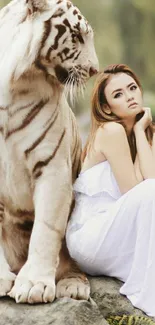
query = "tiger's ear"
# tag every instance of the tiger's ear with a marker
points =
(36, 5)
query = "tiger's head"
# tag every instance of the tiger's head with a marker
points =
(50, 35)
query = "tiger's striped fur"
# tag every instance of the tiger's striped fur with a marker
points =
(46, 47)
(130, 320)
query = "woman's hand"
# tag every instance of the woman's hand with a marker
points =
(145, 120)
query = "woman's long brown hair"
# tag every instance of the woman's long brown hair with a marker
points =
(98, 114)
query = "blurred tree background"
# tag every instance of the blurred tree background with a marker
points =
(124, 32)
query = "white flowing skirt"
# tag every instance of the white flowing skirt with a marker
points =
(126, 249)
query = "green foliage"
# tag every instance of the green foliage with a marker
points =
(130, 320)
(3, 3)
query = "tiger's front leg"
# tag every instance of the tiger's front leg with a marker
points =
(52, 199)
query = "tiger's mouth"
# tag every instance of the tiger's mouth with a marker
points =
(74, 80)
(71, 76)
(62, 74)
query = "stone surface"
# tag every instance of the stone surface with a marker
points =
(105, 292)
(105, 300)
(62, 312)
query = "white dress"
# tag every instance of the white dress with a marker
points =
(114, 235)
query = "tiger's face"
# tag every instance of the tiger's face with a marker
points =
(47, 39)
(66, 48)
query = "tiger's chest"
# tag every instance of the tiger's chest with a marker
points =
(15, 183)
(27, 138)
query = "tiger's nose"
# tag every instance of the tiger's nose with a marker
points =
(92, 71)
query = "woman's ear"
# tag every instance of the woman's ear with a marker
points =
(107, 109)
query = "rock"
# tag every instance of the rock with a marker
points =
(105, 301)
(105, 292)
(61, 312)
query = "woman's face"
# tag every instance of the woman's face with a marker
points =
(124, 96)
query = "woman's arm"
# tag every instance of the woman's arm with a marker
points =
(144, 150)
(146, 161)
(111, 141)
(153, 148)
(137, 169)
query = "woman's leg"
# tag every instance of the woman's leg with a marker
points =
(127, 249)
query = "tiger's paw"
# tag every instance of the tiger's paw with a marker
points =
(6, 283)
(73, 288)
(24, 291)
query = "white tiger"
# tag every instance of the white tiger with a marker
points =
(45, 46)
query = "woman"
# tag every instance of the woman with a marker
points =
(112, 227)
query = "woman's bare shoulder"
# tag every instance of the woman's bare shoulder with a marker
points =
(112, 142)
(110, 129)
(109, 135)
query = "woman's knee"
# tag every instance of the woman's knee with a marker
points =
(145, 190)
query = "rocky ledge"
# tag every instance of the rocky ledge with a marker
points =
(105, 301)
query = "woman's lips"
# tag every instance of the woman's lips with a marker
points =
(133, 104)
